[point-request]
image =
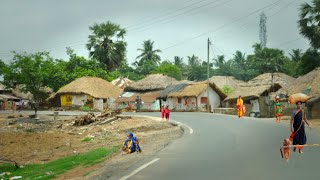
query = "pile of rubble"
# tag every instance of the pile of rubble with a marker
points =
(107, 115)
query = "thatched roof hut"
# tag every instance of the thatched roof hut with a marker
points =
(122, 82)
(93, 86)
(172, 89)
(260, 85)
(194, 90)
(147, 97)
(153, 82)
(307, 84)
(222, 81)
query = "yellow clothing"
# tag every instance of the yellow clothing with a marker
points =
(240, 107)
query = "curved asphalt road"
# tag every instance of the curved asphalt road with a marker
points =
(224, 147)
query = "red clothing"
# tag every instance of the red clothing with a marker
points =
(167, 112)
(162, 112)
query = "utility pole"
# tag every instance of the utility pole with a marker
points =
(208, 109)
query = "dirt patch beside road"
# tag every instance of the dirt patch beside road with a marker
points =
(27, 141)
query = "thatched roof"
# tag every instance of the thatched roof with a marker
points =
(147, 97)
(194, 90)
(122, 82)
(308, 84)
(264, 83)
(271, 78)
(152, 82)
(251, 92)
(222, 81)
(93, 86)
(7, 97)
(173, 88)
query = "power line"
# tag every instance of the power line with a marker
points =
(289, 42)
(284, 7)
(224, 25)
(185, 12)
(165, 14)
(80, 42)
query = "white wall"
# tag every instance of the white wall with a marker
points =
(214, 99)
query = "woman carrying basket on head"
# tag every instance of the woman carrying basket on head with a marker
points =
(298, 134)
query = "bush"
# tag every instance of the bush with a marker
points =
(84, 108)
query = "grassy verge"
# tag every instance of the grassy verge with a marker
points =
(57, 167)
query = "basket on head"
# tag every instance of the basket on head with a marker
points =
(294, 98)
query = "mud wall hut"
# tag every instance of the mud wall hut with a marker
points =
(92, 92)
(148, 89)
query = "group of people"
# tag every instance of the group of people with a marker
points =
(297, 123)
(165, 112)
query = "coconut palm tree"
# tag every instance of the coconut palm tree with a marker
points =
(148, 53)
(193, 61)
(178, 61)
(296, 55)
(309, 22)
(107, 45)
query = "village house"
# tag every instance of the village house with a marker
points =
(308, 84)
(148, 89)
(91, 92)
(257, 94)
(192, 96)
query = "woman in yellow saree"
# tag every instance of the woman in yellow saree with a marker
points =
(240, 107)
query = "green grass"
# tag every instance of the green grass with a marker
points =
(57, 167)
(87, 139)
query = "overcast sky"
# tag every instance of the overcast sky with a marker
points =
(177, 27)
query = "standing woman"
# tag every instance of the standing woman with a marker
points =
(240, 106)
(162, 111)
(298, 133)
(278, 110)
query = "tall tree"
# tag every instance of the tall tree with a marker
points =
(63, 72)
(178, 61)
(148, 53)
(240, 66)
(169, 69)
(2, 66)
(196, 70)
(309, 22)
(266, 60)
(107, 45)
(223, 67)
(293, 65)
(193, 61)
(309, 61)
(34, 71)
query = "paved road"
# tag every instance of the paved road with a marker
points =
(224, 147)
